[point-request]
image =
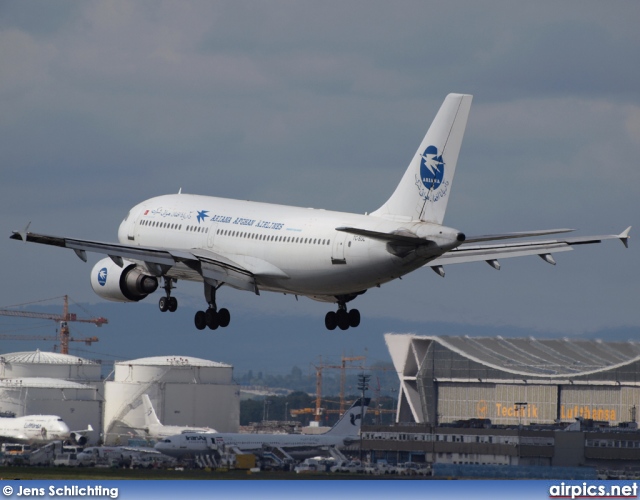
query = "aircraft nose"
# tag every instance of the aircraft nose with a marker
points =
(122, 232)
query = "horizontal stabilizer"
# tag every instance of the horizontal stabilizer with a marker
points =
(520, 234)
(544, 248)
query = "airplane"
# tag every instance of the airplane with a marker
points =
(155, 429)
(325, 255)
(34, 429)
(346, 431)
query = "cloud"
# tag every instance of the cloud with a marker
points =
(105, 104)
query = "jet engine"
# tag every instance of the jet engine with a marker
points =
(78, 438)
(121, 284)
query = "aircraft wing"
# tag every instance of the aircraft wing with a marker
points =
(14, 436)
(468, 252)
(210, 265)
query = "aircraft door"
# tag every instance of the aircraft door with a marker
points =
(339, 243)
(131, 224)
(211, 235)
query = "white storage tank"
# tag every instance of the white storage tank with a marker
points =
(50, 365)
(183, 390)
(49, 383)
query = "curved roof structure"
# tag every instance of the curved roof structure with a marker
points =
(49, 383)
(528, 357)
(174, 361)
(40, 357)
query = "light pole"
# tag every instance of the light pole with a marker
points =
(363, 381)
(265, 410)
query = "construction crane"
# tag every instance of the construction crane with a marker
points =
(63, 319)
(318, 411)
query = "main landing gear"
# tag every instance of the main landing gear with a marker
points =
(168, 303)
(212, 317)
(341, 318)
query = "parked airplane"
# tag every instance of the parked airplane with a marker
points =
(345, 432)
(324, 255)
(155, 429)
(34, 429)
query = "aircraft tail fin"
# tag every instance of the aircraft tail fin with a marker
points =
(350, 423)
(424, 190)
(150, 417)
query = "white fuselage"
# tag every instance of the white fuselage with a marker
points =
(289, 249)
(164, 431)
(192, 444)
(34, 428)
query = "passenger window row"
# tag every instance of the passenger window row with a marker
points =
(266, 237)
(239, 234)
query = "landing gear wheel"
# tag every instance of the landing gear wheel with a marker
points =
(173, 304)
(331, 320)
(200, 320)
(212, 319)
(163, 304)
(354, 318)
(343, 319)
(224, 317)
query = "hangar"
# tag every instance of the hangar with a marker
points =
(514, 381)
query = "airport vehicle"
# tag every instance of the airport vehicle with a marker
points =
(66, 459)
(349, 466)
(34, 428)
(45, 455)
(283, 446)
(155, 429)
(324, 255)
(315, 464)
(114, 456)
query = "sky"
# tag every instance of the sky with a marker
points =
(323, 104)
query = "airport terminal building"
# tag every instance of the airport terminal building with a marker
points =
(514, 381)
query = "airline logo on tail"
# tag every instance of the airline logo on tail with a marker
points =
(354, 418)
(431, 175)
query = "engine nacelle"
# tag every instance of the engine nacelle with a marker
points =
(78, 438)
(121, 284)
